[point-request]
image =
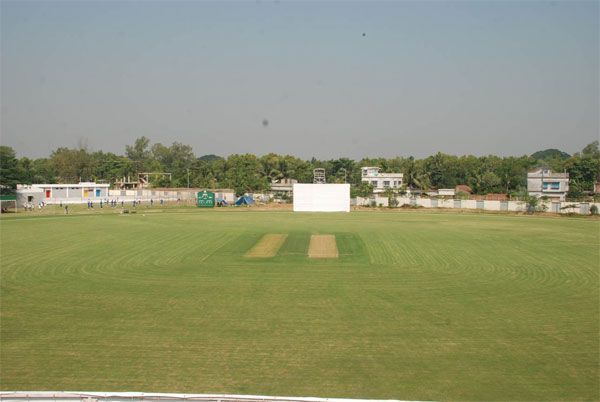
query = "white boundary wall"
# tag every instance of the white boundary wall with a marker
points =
(582, 208)
(321, 197)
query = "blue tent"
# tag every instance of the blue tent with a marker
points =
(245, 200)
(221, 201)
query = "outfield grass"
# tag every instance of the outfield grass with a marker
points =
(430, 306)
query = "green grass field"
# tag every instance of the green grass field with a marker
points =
(419, 305)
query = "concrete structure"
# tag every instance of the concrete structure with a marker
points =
(226, 194)
(446, 192)
(322, 197)
(319, 176)
(283, 187)
(81, 193)
(170, 194)
(544, 182)
(61, 193)
(581, 208)
(381, 181)
(491, 197)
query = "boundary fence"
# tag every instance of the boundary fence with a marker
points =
(582, 208)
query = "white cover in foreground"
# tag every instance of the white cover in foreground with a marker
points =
(84, 396)
(322, 197)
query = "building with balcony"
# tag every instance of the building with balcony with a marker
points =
(381, 181)
(542, 182)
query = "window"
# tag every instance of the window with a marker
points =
(386, 183)
(374, 183)
(552, 185)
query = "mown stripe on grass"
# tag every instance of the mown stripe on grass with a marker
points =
(296, 244)
(267, 246)
(351, 247)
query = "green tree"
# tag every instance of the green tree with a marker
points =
(584, 170)
(110, 167)
(9, 170)
(72, 165)
(140, 155)
(489, 183)
(549, 154)
(591, 150)
(391, 196)
(245, 174)
(363, 189)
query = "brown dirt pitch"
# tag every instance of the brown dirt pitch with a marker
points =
(323, 246)
(267, 246)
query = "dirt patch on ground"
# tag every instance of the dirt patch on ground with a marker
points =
(267, 246)
(323, 246)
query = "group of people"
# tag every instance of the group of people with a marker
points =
(151, 202)
(115, 203)
(111, 203)
(30, 206)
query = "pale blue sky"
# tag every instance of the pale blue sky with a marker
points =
(480, 77)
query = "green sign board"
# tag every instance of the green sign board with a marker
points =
(206, 199)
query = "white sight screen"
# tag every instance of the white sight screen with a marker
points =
(322, 197)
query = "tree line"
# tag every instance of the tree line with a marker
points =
(247, 173)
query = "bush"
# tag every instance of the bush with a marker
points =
(532, 203)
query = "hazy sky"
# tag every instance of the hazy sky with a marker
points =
(331, 78)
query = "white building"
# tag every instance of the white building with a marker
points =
(283, 186)
(542, 182)
(381, 181)
(57, 193)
